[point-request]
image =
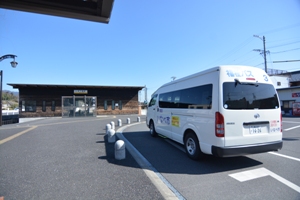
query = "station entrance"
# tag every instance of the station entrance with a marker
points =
(79, 106)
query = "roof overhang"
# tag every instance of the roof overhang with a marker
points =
(18, 86)
(90, 10)
(288, 88)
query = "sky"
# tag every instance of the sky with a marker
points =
(146, 43)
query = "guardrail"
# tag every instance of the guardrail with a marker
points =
(10, 117)
(10, 112)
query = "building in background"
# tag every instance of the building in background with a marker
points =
(39, 100)
(287, 85)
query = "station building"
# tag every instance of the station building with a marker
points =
(40, 100)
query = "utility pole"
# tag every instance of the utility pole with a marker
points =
(146, 100)
(264, 51)
(265, 57)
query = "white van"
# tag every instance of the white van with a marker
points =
(224, 111)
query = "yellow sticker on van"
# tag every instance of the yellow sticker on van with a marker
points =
(175, 121)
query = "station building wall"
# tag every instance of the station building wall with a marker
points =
(46, 101)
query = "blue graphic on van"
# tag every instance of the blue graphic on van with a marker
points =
(245, 73)
(163, 120)
(266, 78)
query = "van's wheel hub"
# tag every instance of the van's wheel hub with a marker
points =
(191, 146)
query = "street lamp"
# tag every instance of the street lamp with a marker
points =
(14, 65)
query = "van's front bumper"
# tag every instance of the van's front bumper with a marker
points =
(245, 150)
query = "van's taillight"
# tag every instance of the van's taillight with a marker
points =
(281, 122)
(219, 127)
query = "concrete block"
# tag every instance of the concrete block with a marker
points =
(120, 152)
(112, 125)
(108, 127)
(111, 137)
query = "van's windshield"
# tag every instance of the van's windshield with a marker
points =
(249, 96)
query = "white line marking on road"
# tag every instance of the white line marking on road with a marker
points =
(289, 157)
(291, 122)
(163, 185)
(262, 172)
(288, 129)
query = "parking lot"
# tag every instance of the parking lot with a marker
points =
(69, 158)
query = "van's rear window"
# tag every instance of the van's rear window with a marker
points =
(249, 96)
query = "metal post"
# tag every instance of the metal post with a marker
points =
(13, 64)
(73, 105)
(265, 57)
(85, 105)
(1, 74)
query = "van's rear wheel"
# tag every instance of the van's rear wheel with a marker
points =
(192, 146)
(152, 129)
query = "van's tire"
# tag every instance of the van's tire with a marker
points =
(192, 147)
(152, 129)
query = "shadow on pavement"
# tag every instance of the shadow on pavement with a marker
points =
(290, 139)
(110, 154)
(166, 158)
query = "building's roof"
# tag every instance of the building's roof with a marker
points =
(90, 10)
(289, 88)
(17, 86)
(295, 77)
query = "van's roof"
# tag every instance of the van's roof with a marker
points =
(204, 72)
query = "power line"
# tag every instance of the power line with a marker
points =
(285, 51)
(296, 38)
(250, 58)
(258, 64)
(243, 44)
(280, 29)
(283, 44)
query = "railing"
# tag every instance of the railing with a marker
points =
(10, 112)
(10, 116)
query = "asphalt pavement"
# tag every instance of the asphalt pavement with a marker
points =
(71, 158)
(68, 158)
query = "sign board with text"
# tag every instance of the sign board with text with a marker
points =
(80, 91)
(296, 108)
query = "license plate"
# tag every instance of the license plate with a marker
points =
(255, 129)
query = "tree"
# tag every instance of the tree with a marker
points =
(10, 99)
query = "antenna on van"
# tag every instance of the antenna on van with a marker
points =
(173, 78)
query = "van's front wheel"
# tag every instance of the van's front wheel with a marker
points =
(192, 146)
(152, 129)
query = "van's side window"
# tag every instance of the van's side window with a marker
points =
(153, 101)
(165, 100)
(199, 97)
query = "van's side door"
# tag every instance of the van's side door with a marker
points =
(163, 115)
(151, 111)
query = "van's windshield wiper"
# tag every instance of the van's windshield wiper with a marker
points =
(236, 82)
(240, 83)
